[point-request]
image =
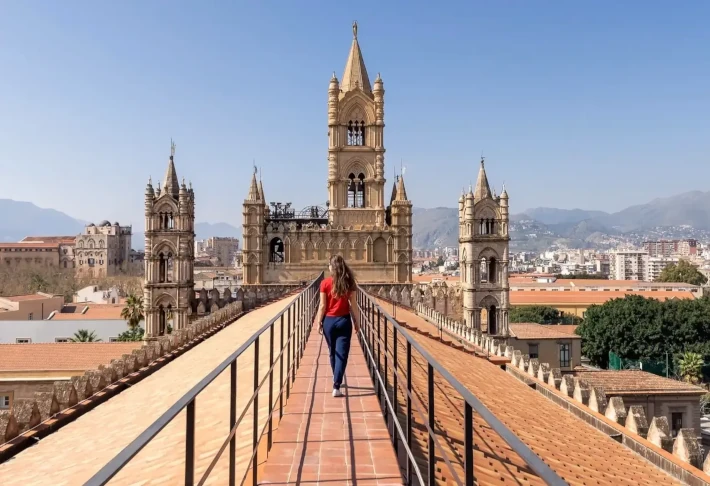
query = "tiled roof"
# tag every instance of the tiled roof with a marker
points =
(637, 382)
(577, 452)
(61, 356)
(522, 297)
(539, 331)
(28, 245)
(22, 298)
(568, 328)
(50, 239)
(75, 312)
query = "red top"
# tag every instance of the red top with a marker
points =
(334, 306)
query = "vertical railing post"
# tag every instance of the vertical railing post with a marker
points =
(394, 388)
(281, 367)
(271, 383)
(233, 423)
(409, 410)
(468, 442)
(387, 421)
(430, 394)
(190, 444)
(255, 431)
(378, 353)
(288, 353)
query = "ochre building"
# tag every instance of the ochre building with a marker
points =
(372, 233)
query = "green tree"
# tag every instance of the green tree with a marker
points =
(440, 261)
(541, 314)
(85, 336)
(683, 271)
(133, 311)
(135, 334)
(637, 328)
(690, 367)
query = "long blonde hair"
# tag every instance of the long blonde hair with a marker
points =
(343, 277)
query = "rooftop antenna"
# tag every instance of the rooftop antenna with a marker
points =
(253, 161)
(172, 147)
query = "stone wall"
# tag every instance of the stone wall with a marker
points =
(111, 378)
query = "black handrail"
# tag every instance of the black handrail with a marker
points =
(299, 316)
(371, 338)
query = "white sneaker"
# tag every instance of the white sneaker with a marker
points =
(337, 393)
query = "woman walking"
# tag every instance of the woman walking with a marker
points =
(337, 315)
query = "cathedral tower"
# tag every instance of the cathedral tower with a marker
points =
(483, 256)
(169, 259)
(254, 213)
(356, 122)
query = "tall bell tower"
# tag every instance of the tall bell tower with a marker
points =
(483, 255)
(356, 152)
(169, 253)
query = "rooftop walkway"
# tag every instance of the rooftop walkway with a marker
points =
(331, 441)
(78, 450)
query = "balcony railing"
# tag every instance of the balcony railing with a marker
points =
(412, 391)
(284, 358)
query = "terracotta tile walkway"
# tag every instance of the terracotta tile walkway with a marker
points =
(74, 453)
(331, 441)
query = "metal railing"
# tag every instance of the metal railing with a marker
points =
(297, 318)
(393, 378)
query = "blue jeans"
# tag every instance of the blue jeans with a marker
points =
(337, 332)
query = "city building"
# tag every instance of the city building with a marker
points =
(483, 243)
(218, 279)
(656, 264)
(168, 290)
(32, 368)
(678, 401)
(556, 345)
(103, 250)
(29, 255)
(223, 249)
(66, 247)
(628, 264)
(667, 248)
(29, 307)
(93, 294)
(281, 245)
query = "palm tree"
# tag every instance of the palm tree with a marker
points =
(84, 336)
(133, 311)
(690, 366)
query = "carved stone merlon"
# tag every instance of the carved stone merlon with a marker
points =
(597, 399)
(509, 351)
(517, 358)
(636, 421)
(555, 378)
(567, 385)
(659, 433)
(582, 391)
(616, 411)
(687, 449)
(543, 372)
(533, 366)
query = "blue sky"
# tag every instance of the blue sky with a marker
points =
(597, 105)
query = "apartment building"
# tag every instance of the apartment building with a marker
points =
(667, 248)
(628, 265)
(103, 250)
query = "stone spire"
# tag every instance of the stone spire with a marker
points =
(254, 194)
(261, 190)
(170, 184)
(394, 189)
(401, 191)
(483, 190)
(355, 74)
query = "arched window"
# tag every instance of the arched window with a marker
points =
(356, 133)
(165, 267)
(356, 190)
(492, 320)
(484, 271)
(492, 270)
(276, 251)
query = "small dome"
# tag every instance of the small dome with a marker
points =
(116, 224)
(91, 224)
(105, 222)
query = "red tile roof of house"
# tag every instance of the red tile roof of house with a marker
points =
(29, 245)
(72, 312)
(22, 298)
(540, 331)
(50, 239)
(637, 382)
(61, 356)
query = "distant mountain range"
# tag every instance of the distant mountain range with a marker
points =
(684, 215)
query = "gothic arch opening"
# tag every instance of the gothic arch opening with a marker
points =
(492, 270)
(276, 250)
(356, 132)
(356, 190)
(165, 266)
(379, 250)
